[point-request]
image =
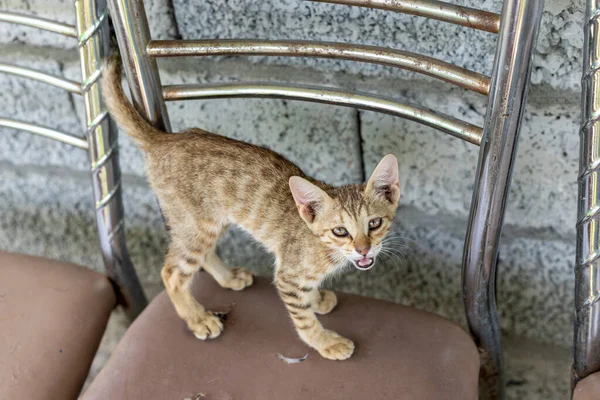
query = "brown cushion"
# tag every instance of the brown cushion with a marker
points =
(401, 353)
(52, 317)
(588, 388)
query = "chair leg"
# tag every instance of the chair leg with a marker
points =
(94, 45)
(508, 92)
(586, 346)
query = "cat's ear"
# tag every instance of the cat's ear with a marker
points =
(384, 180)
(308, 197)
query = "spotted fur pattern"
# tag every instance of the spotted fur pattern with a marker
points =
(205, 182)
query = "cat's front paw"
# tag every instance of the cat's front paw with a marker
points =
(336, 347)
(240, 279)
(208, 327)
(326, 301)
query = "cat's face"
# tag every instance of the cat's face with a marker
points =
(355, 225)
(352, 219)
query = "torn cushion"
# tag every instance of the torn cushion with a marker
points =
(588, 388)
(401, 353)
(52, 317)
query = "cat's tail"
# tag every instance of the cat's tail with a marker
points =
(122, 111)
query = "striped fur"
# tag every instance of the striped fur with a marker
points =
(204, 182)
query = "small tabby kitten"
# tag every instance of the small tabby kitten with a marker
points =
(204, 182)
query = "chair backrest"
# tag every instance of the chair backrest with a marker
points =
(587, 266)
(100, 139)
(506, 90)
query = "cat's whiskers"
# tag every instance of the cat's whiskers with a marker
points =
(398, 239)
(395, 250)
(398, 236)
(392, 256)
(389, 242)
(338, 265)
(390, 249)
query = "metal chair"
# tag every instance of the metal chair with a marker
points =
(506, 90)
(100, 139)
(58, 311)
(586, 352)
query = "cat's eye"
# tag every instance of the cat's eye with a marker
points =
(340, 231)
(374, 224)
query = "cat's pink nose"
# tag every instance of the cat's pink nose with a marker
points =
(363, 250)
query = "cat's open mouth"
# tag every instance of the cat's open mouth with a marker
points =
(364, 263)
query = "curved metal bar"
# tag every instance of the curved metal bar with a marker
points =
(371, 54)
(61, 83)
(40, 23)
(94, 46)
(507, 99)
(459, 15)
(586, 346)
(455, 127)
(46, 132)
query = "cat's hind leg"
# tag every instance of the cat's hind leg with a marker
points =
(187, 252)
(234, 278)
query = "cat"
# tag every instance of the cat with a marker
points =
(205, 182)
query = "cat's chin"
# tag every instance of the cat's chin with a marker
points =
(364, 263)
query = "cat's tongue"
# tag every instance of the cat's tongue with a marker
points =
(365, 262)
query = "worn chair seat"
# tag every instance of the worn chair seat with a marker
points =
(588, 388)
(401, 353)
(52, 317)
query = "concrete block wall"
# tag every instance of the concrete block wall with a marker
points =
(45, 194)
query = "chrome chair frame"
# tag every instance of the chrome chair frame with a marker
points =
(586, 346)
(100, 140)
(506, 90)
